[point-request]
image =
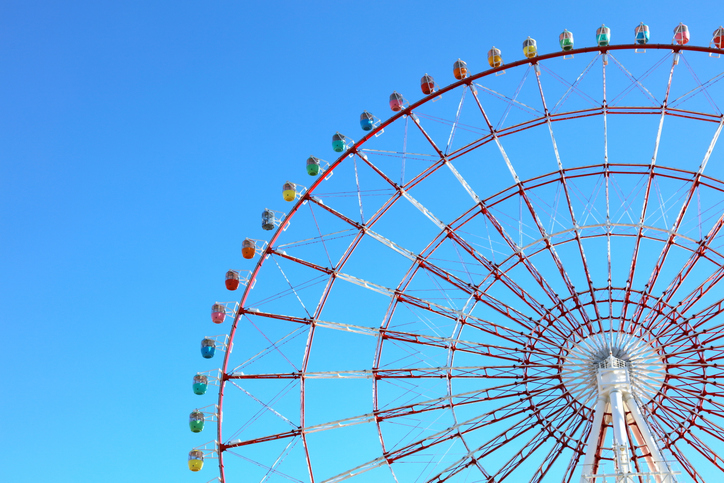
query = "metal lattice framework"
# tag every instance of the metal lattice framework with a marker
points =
(434, 307)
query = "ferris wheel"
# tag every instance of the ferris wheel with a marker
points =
(513, 278)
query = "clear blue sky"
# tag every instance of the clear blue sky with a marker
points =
(139, 140)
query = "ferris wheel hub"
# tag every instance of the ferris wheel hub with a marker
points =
(640, 360)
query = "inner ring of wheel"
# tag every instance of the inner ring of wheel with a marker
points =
(676, 323)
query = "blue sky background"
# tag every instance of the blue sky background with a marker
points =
(139, 141)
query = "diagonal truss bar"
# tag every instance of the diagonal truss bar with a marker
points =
(571, 427)
(656, 271)
(488, 264)
(471, 290)
(510, 434)
(639, 234)
(681, 276)
(524, 195)
(564, 183)
(472, 397)
(502, 413)
(547, 371)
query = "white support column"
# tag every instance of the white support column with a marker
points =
(592, 445)
(621, 443)
(659, 465)
(624, 383)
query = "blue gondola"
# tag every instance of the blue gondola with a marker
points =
(208, 348)
(642, 34)
(367, 121)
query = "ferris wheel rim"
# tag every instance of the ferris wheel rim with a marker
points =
(467, 81)
(357, 147)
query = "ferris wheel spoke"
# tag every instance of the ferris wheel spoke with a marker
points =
(702, 448)
(488, 350)
(578, 451)
(699, 379)
(487, 326)
(682, 275)
(513, 390)
(486, 263)
(402, 188)
(266, 408)
(511, 285)
(694, 325)
(569, 426)
(675, 227)
(644, 207)
(468, 148)
(491, 301)
(550, 459)
(399, 192)
(675, 421)
(551, 249)
(534, 272)
(705, 451)
(690, 355)
(674, 63)
(582, 391)
(282, 254)
(490, 327)
(466, 287)
(708, 365)
(456, 431)
(649, 286)
(685, 463)
(528, 264)
(564, 183)
(562, 442)
(695, 295)
(507, 411)
(716, 351)
(655, 421)
(443, 155)
(717, 410)
(674, 411)
(443, 403)
(511, 101)
(263, 439)
(685, 393)
(336, 213)
(481, 452)
(508, 436)
(319, 230)
(454, 126)
(702, 423)
(700, 87)
(545, 373)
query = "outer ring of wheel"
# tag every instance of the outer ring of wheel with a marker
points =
(221, 447)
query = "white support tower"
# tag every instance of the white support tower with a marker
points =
(616, 393)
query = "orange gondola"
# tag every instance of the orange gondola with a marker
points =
(460, 69)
